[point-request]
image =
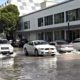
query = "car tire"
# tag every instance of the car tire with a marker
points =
(36, 52)
(25, 51)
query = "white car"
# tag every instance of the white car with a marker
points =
(6, 49)
(39, 47)
(76, 44)
(62, 46)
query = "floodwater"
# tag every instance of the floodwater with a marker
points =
(61, 67)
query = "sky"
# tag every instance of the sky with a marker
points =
(2, 1)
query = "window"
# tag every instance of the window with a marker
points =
(3, 41)
(59, 18)
(78, 14)
(76, 41)
(62, 42)
(52, 43)
(73, 15)
(40, 22)
(48, 20)
(27, 25)
(30, 43)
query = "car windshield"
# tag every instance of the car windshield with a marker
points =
(62, 43)
(3, 41)
(40, 42)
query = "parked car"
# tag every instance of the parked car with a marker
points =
(22, 42)
(6, 49)
(18, 42)
(39, 47)
(76, 44)
(15, 42)
(62, 46)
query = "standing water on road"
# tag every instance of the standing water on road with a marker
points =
(62, 67)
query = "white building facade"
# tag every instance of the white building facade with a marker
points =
(58, 22)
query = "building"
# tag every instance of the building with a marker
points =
(27, 6)
(60, 21)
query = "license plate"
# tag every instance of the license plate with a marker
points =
(50, 51)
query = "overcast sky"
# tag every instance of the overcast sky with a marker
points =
(2, 1)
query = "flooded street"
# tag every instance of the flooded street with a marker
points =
(61, 67)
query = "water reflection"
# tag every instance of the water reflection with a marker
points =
(48, 63)
(47, 68)
(6, 63)
(6, 68)
(28, 68)
(39, 68)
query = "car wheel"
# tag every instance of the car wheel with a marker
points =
(36, 52)
(25, 51)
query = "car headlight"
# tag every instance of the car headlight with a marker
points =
(11, 48)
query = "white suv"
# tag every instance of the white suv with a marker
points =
(5, 48)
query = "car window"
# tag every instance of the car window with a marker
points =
(76, 41)
(3, 42)
(60, 43)
(52, 43)
(40, 43)
(30, 43)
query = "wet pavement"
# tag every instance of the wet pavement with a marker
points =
(60, 67)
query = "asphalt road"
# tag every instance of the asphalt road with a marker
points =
(60, 67)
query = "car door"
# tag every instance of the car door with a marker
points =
(31, 48)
